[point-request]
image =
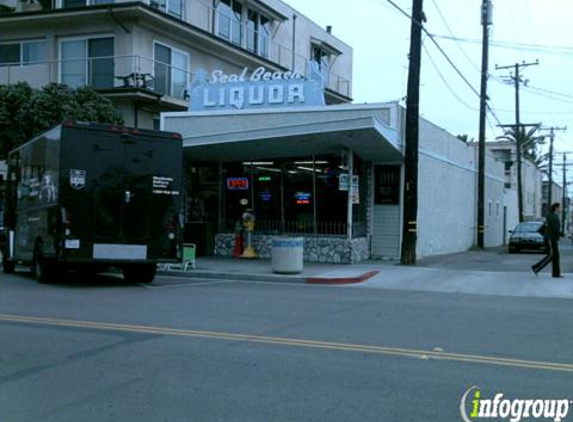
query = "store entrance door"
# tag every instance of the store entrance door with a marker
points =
(202, 206)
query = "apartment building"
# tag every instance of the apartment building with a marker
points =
(144, 55)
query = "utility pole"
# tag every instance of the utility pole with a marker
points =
(486, 21)
(563, 203)
(551, 139)
(410, 209)
(518, 129)
(564, 206)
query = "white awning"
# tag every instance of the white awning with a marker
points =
(294, 132)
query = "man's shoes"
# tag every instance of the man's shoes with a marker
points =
(558, 276)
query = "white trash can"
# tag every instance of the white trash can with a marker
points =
(287, 255)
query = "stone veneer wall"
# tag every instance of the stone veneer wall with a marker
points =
(329, 249)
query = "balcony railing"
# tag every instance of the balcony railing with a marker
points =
(110, 72)
(206, 17)
(103, 73)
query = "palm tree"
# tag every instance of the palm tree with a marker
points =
(527, 142)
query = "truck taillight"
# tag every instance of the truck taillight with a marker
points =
(171, 228)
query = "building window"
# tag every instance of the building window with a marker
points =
(229, 15)
(294, 195)
(489, 209)
(83, 3)
(320, 57)
(171, 71)
(258, 33)
(172, 7)
(87, 62)
(22, 53)
(387, 185)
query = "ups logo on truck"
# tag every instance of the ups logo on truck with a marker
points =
(77, 179)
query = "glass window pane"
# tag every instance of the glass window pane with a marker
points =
(74, 55)
(331, 196)
(175, 7)
(298, 195)
(236, 32)
(237, 188)
(34, 51)
(74, 3)
(387, 185)
(224, 19)
(161, 69)
(102, 2)
(159, 4)
(9, 53)
(224, 27)
(252, 27)
(101, 70)
(264, 36)
(179, 74)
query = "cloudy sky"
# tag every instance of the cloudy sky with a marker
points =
(522, 31)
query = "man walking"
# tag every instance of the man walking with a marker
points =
(552, 235)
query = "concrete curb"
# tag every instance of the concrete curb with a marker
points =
(216, 275)
(341, 280)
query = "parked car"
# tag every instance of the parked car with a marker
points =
(525, 236)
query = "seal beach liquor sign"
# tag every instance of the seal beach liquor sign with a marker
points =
(258, 89)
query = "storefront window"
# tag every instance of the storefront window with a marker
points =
(299, 195)
(306, 195)
(332, 195)
(387, 185)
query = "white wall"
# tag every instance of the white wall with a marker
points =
(532, 190)
(447, 194)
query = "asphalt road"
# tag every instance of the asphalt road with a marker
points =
(208, 350)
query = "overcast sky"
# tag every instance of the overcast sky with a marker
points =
(522, 30)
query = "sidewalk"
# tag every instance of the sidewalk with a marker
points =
(389, 275)
(260, 270)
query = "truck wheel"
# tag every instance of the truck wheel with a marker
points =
(139, 273)
(8, 266)
(44, 269)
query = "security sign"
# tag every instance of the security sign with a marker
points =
(77, 179)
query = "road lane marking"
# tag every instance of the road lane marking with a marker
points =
(349, 347)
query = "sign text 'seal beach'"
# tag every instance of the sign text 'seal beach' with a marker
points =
(258, 89)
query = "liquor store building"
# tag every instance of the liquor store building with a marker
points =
(333, 175)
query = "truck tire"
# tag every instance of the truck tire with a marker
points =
(44, 269)
(139, 273)
(8, 266)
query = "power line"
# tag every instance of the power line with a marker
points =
(540, 94)
(454, 38)
(457, 97)
(435, 43)
(559, 94)
(541, 48)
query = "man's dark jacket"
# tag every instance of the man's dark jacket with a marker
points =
(553, 231)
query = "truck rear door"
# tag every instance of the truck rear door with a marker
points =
(128, 219)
